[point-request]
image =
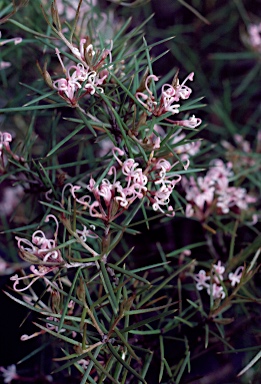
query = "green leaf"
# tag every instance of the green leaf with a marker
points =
(123, 362)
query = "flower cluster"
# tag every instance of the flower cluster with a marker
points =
(113, 197)
(91, 68)
(44, 252)
(214, 281)
(241, 155)
(40, 250)
(84, 78)
(171, 94)
(212, 193)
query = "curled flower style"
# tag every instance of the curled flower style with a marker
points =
(110, 194)
(40, 247)
(122, 187)
(40, 250)
(79, 81)
(171, 94)
(85, 233)
(36, 274)
(192, 122)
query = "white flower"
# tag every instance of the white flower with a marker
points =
(236, 276)
(9, 373)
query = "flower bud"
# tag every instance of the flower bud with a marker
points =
(56, 301)
(46, 76)
(81, 291)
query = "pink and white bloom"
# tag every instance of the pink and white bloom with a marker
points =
(40, 246)
(9, 374)
(213, 282)
(122, 187)
(171, 94)
(213, 193)
(219, 269)
(201, 278)
(254, 36)
(216, 291)
(236, 276)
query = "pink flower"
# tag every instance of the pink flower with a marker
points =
(236, 276)
(216, 291)
(78, 78)
(234, 197)
(201, 279)
(5, 139)
(254, 36)
(9, 373)
(170, 95)
(40, 246)
(220, 173)
(192, 122)
(219, 269)
(85, 233)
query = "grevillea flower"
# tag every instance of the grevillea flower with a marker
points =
(216, 291)
(201, 280)
(40, 246)
(213, 193)
(121, 188)
(85, 233)
(40, 250)
(213, 282)
(79, 81)
(236, 276)
(170, 96)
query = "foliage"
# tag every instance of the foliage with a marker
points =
(130, 227)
